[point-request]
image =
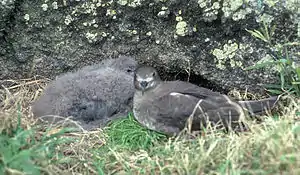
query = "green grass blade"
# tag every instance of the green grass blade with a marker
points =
(275, 91)
(282, 80)
(260, 65)
(295, 82)
(298, 72)
(257, 34)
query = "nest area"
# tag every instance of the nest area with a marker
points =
(89, 148)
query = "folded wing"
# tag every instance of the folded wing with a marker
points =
(179, 100)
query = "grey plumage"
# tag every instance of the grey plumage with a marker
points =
(92, 95)
(166, 106)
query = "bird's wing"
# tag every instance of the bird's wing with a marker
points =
(189, 89)
(176, 102)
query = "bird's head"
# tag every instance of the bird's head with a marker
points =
(125, 64)
(146, 78)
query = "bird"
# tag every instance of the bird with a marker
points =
(170, 106)
(92, 95)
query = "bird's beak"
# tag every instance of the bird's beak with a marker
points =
(143, 85)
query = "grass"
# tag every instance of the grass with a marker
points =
(281, 58)
(129, 134)
(125, 147)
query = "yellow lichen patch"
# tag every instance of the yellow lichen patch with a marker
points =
(68, 19)
(181, 28)
(55, 5)
(92, 37)
(226, 53)
(26, 17)
(233, 8)
(210, 10)
(110, 12)
(122, 2)
(44, 7)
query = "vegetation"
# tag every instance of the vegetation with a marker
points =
(124, 147)
(288, 69)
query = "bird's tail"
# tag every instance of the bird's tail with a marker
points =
(258, 107)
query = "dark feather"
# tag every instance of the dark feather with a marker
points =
(166, 106)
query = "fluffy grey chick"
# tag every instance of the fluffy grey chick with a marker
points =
(93, 95)
(166, 106)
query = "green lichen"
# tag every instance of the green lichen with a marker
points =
(239, 9)
(210, 10)
(68, 19)
(88, 7)
(91, 37)
(55, 5)
(91, 23)
(134, 32)
(26, 17)
(181, 28)
(227, 53)
(130, 3)
(122, 2)
(149, 33)
(232, 8)
(164, 12)
(135, 3)
(111, 12)
(178, 18)
(45, 7)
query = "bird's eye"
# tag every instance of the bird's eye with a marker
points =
(153, 74)
(129, 70)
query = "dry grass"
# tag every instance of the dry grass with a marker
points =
(272, 146)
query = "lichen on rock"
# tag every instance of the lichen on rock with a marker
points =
(208, 38)
(181, 28)
(210, 10)
(227, 53)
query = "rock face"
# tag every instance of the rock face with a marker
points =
(204, 40)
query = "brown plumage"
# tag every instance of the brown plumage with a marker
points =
(166, 106)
